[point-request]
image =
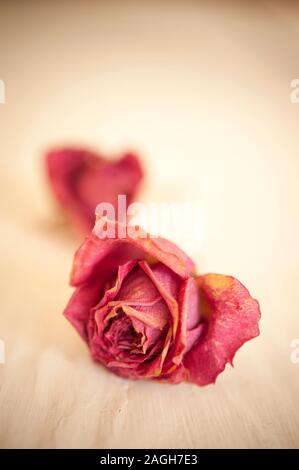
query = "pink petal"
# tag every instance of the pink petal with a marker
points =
(80, 179)
(154, 316)
(139, 298)
(167, 284)
(231, 316)
(87, 296)
(107, 253)
(149, 316)
(188, 332)
(138, 288)
(81, 302)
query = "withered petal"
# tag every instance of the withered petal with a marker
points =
(231, 318)
(108, 253)
(80, 179)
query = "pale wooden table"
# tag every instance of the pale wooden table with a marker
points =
(202, 90)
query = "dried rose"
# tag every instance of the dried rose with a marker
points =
(144, 314)
(80, 179)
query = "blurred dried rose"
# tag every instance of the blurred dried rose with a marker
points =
(80, 179)
(144, 314)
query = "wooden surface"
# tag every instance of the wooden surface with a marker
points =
(202, 91)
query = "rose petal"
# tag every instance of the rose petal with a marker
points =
(106, 180)
(79, 306)
(231, 317)
(155, 318)
(87, 296)
(189, 328)
(188, 331)
(81, 179)
(167, 284)
(147, 320)
(138, 288)
(107, 253)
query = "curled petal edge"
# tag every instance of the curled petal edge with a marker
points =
(231, 318)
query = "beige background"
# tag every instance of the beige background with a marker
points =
(201, 89)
